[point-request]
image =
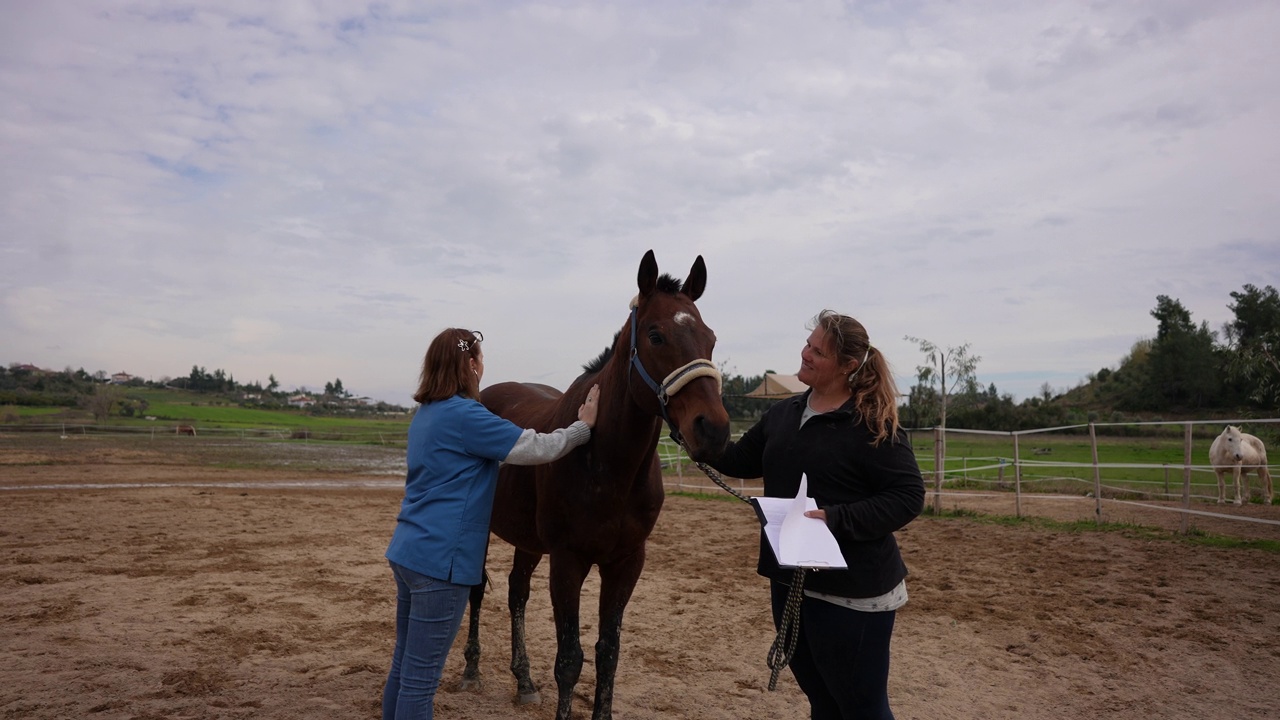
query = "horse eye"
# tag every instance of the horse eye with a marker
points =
(655, 337)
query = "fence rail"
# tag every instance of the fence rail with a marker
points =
(1022, 474)
(1027, 474)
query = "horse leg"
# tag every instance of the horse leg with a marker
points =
(522, 567)
(617, 580)
(1238, 474)
(471, 673)
(567, 575)
(1222, 486)
(1268, 492)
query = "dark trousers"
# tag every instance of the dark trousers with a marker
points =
(842, 658)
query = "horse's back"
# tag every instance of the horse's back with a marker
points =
(1257, 446)
(529, 405)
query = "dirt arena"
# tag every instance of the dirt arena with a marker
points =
(151, 582)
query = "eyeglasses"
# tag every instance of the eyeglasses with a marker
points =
(464, 345)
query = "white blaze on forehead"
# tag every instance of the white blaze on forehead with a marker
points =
(684, 318)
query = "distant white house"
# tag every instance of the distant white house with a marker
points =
(302, 401)
(121, 378)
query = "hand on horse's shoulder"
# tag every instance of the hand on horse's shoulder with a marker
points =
(587, 413)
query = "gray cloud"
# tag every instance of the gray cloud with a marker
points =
(312, 191)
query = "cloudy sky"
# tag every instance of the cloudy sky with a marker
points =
(314, 190)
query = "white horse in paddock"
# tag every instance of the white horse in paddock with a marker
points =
(1240, 452)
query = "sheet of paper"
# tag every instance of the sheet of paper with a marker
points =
(799, 541)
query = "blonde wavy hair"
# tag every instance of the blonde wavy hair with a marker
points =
(874, 391)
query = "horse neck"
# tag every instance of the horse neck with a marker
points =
(627, 434)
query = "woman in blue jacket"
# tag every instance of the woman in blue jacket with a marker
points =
(843, 435)
(437, 550)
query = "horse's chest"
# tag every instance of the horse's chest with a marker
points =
(595, 520)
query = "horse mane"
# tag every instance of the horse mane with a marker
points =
(602, 359)
(667, 284)
(670, 285)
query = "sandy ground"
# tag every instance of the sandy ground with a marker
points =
(158, 584)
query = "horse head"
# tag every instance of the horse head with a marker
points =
(670, 358)
(1235, 441)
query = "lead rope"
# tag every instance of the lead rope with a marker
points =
(784, 644)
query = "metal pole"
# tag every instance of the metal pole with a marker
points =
(1186, 474)
(1097, 476)
(937, 469)
(1017, 477)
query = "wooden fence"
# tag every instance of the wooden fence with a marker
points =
(1029, 466)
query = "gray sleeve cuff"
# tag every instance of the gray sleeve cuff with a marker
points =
(535, 448)
(579, 433)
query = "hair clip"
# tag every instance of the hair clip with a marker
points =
(463, 345)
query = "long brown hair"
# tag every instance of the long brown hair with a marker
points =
(874, 391)
(446, 368)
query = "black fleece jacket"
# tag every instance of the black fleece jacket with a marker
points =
(868, 491)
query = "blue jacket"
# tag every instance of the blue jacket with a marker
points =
(442, 530)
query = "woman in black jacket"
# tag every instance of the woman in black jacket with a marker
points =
(843, 435)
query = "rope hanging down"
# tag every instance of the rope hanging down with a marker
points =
(784, 644)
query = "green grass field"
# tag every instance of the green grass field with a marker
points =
(1130, 467)
(1148, 465)
(1151, 465)
(210, 414)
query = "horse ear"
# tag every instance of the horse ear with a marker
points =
(647, 278)
(697, 280)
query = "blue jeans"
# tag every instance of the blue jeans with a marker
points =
(842, 658)
(428, 614)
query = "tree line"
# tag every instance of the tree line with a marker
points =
(1184, 368)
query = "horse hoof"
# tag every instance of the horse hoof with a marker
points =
(533, 698)
(469, 684)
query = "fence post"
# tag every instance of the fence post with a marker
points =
(937, 470)
(1017, 478)
(1186, 475)
(1097, 476)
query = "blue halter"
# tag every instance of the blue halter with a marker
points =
(663, 391)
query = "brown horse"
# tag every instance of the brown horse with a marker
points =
(598, 505)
